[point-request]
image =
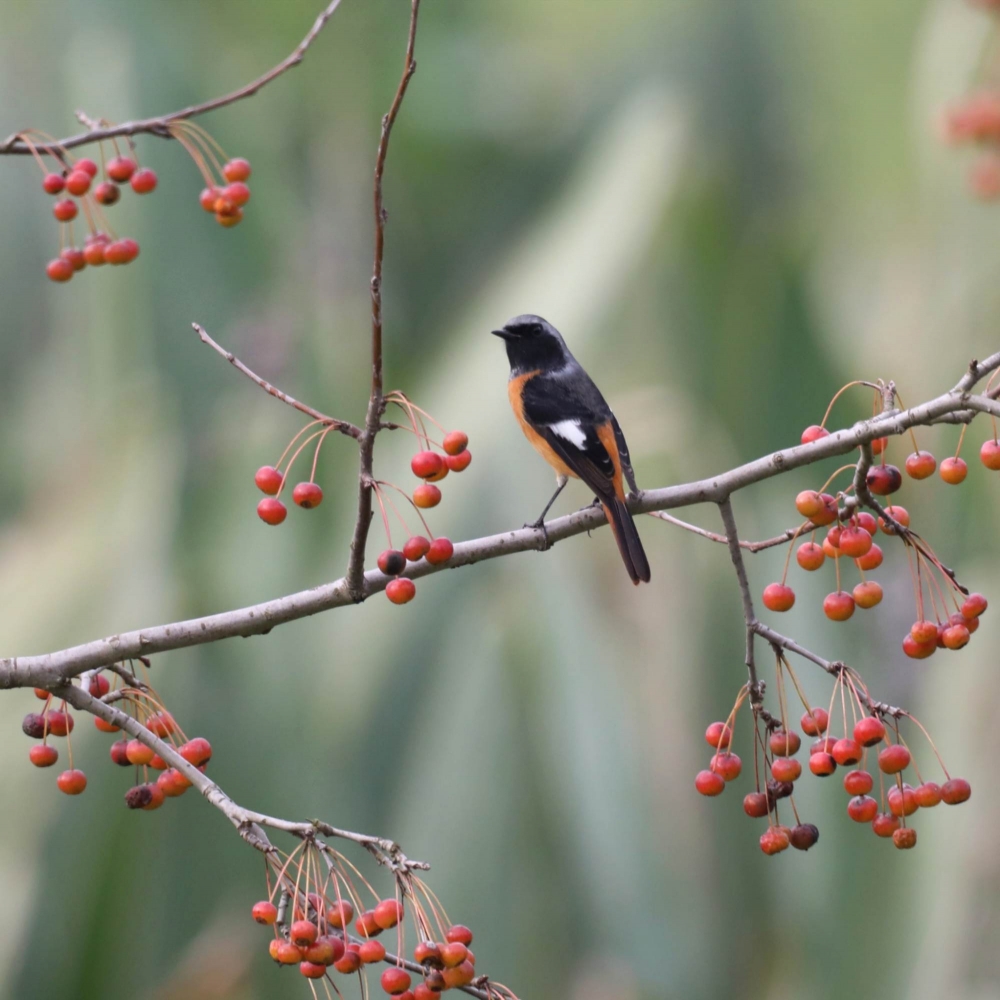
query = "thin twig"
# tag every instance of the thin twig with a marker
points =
(752, 547)
(749, 616)
(14, 145)
(344, 426)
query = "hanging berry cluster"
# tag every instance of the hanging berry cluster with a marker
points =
(975, 120)
(138, 699)
(863, 736)
(80, 185)
(946, 613)
(431, 464)
(313, 895)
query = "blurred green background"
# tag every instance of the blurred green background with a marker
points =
(730, 208)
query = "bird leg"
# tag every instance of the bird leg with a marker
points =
(539, 524)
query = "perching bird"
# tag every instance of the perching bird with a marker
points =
(565, 417)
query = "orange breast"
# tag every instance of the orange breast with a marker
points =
(515, 387)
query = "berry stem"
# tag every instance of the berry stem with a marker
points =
(920, 726)
(840, 392)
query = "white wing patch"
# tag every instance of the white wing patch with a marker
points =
(571, 431)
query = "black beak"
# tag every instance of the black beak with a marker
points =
(503, 333)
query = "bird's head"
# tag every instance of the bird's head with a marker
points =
(533, 343)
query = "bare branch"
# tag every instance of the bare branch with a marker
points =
(752, 547)
(749, 616)
(344, 426)
(14, 145)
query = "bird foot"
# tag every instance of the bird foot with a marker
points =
(539, 525)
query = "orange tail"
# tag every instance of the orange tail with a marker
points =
(628, 541)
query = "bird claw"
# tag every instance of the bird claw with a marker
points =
(539, 525)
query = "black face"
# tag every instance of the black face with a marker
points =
(533, 343)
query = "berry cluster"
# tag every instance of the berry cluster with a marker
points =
(863, 731)
(313, 917)
(851, 534)
(139, 700)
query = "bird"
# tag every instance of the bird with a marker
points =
(567, 420)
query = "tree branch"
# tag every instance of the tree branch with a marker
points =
(789, 534)
(749, 616)
(14, 145)
(344, 426)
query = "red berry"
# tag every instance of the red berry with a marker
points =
(120, 169)
(808, 503)
(786, 768)
(388, 913)
(426, 464)
(846, 751)
(196, 751)
(905, 838)
(927, 795)
(924, 632)
(371, 952)
(400, 590)
(918, 650)
(427, 495)
(803, 836)
(172, 783)
(33, 725)
(862, 809)
(284, 952)
(75, 257)
(268, 480)
(871, 560)
(271, 511)
(312, 970)
(143, 180)
(441, 551)
(53, 183)
(156, 798)
(866, 521)
(42, 755)
(138, 753)
(416, 548)
(813, 433)
(228, 215)
(107, 193)
(858, 782)
(237, 193)
(460, 976)
(955, 636)
(59, 269)
(902, 801)
(828, 513)
(453, 954)
(459, 462)
(72, 782)
(307, 495)
(955, 791)
(855, 542)
(208, 197)
(65, 210)
(879, 445)
(340, 914)
(78, 182)
(838, 606)
(428, 953)
(161, 724)
(893, 759)
(122, 251)
(236, 169)
(326, 950)
(866, 595)
(885, 825)
(814, 722)
(755, 805)
(810, 556)
(774, 840)
(455, 442)
(784, 744)
(303, 933)
(119, 753)
(884, 479)
(869, 731)
(350, 962)
(974, 606)
(989, 454)
(392, 562)
(832, 541)
(709, 783)
(953, 470)
(778, 597)
(920, 465)
(718, 735)
(395, 981)
(60, 723)
(726, 764)
(899, 514)
(93, 250)
(87, 165)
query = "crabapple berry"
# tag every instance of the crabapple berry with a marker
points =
(803, 836)
(33, 725)
(428, 953)
(427, 495)
(455, 442)
(307, 495)
(265, 912)
(893, 759)
(349, 962)
(119, 753)
(953, 470)
(271, 510)
(416, 548)
(905, 838)
(927, 795)
(884, 479)
(813, 433)
(814, 722)
(718, 735)
(426, 464)
(872, 559)
(53, 183)
(392, 562)
(237, 193)
(78, 182)
(989, 454)
(65, 210)
(846, 751)
(955, 791)
(786, 768)
(902, 802)
(236, 169)
(755, 805)
(42, 755)
(196, 751)
(866, 521)
(899, 514)
(311, 970)
(72, 782)
(924, 632)
(920, 465)
(726, 764)
(340, 914)
(371, 952)
(459, 462)
(810, 556)
(59, 269)
(954, 636)
(869, 731)
(784, 744)
(138, 753)
(858, 782)
(885, 825)
(388, 913)
(855, 542)
(918, 650)
(441, 551)
(866, 595)
(778, 597)
(87, 165)
(773, 841)
(974, 606)
(143, 180)
(395, 981)
(303, 933)
(862, 809)
(709, 783)
(122, 251)
(60, 723)
(838, 606)
(120, 169)
(75, 257)
(400, 590)
(268, 480)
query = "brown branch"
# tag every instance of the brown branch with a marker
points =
(789, 534)
(14, 145)
(376, 403)
(756, 688)
(344, 426)
(49, 669)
